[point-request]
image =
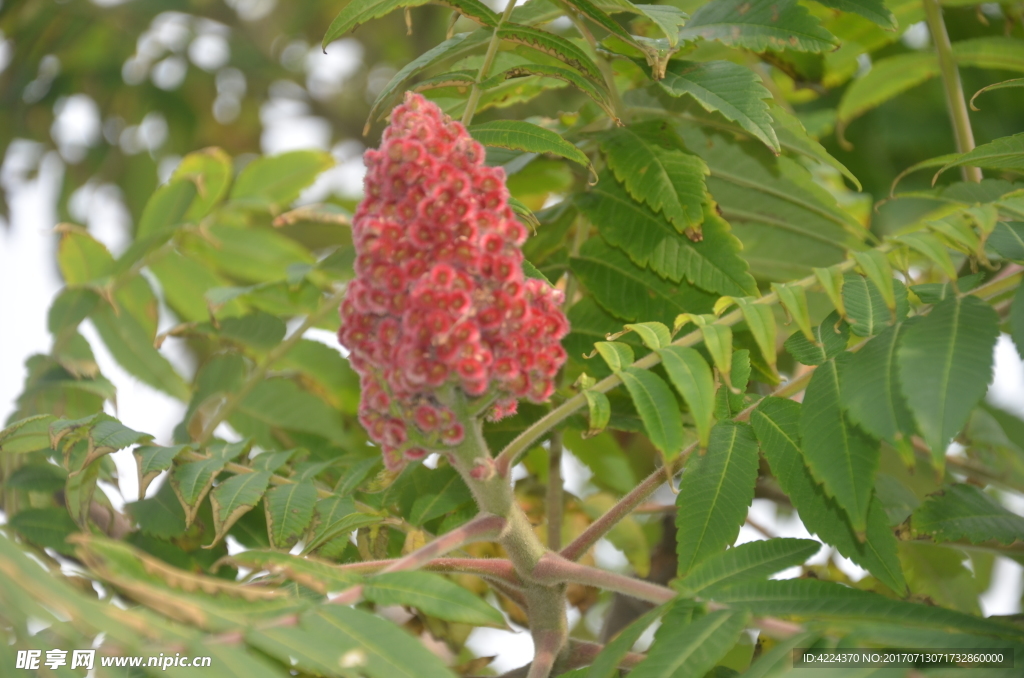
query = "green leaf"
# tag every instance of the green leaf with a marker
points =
(452, 47)
(996, 52)
(552, 45)
(313, 573)
(654, 335)
(599, 410)
(871, 390)
(875, 266)
(777, 424)
(210, 171)
(152, 460)
(839, 605)
(444, 493)
(606, 664)
(692, 377)
(519, 135)
(690, 649)
(1008, 240)
(945, 366)
(761, 322)
(82, 258)
(1003, 154)
(166, 209)
(132, 347)
(433, 595)
(753, 560)
(595, 89)
(1005, 84)
(759, 25)
(872, 10)
(289, 510)
(1017, 321)
(657, 408)
(601, 18)
(794, 138)
(275, 182)
(714, 494)
(794, 300)
(192, 481)
(652, 241)
(961, 511)
(888, 78)
(632, 293)
(668, 18)
(669, 180)
(27, 435)
(831, 281)
(46, 527)
(839, 455)
(69, 309)
(281, 403)
(233, 498)
(733, 90)
(359, 12)
(185, 282)
(865, 307)
(616, 354)
(830, 339)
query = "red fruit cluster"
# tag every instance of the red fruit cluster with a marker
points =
(439, 299)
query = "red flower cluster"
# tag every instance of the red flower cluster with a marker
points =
(439, 297)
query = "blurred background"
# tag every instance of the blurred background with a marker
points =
(99, 100)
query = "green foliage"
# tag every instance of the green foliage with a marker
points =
(690, 179)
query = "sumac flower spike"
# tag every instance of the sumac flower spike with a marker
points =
(440, 300)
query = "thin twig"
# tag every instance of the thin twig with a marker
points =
(485, 67)
(553, 497)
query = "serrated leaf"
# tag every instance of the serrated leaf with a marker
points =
(632, 293)
(668, 18)
(81, 257)
(319, 575)
(1005, 84)
(761, 322)
(759, 25)
(714, 494)
(825, 601)
(652, 241)
(945, 366)
(669, 180)
(601, 18)
(289, 510)
(753, 560)
(692, 377)
(777, 424)
(274, 182)
(606, 664)
(152, 460)
(594, 89)
(793, 137)
(283, 403)
(616, 354)
(520, 135)
(733, 90)
(47, 527)
(445, 492)
(998, 52)
(875, 266)
(690, 649)
(888, 78)
(961, 511)
(552, 45)
(838, 454)
(192, 481)
(600, 411)
(871, 390)
(434, 595)
(359, 12)
(233, 498)
(654, 335)
(831, 281)
(729, 401)
(830, 339)
(794, 299)
(931, 247)
(872, 10)
(1008, 240)
(210, 170)
(1003, 154)
(27, 435)
(657, 408)
(165, 209)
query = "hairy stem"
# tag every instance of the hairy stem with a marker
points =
(554, 569)
(955, 101)
(328, 305)
(482, 528)
(485, 67)
(496, 568)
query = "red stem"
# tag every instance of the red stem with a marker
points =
(554, 569)
(482, 528)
